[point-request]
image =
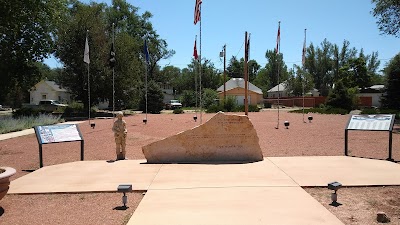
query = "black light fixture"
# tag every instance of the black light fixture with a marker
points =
(286, 123)
(310, 118)
(124, 188)
(93, 125)
(145, 121)
(195, 118)
(335, 186)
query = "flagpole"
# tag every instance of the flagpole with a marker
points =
(201, 71)
(147, 68)
(113, 73)
(277, 55)
(87, 35)
(303, 61)
(195, 78)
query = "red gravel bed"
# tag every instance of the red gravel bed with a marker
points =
(324, 136)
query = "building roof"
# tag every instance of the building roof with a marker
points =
(282, 87)
(53, 85)
(238, 83)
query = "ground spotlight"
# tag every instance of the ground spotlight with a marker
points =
(335, 186)
(124, 188)
(145, 121)
(195, 118)
(310, 118)
(286, 123)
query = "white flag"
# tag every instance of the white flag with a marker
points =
(86, 54)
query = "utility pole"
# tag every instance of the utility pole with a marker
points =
(224, 50)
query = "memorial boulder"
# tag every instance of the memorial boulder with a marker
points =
(223, 138)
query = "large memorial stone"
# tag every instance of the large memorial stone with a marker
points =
(224, 138)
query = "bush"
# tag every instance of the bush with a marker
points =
(11, 124)
(178, 111)
(326, 110)
(27, 112)
(252, 108)
(214, 108)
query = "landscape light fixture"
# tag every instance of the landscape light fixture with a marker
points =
(145, 121)
(335, 186)
(310, 118)
(124, 188)
(92, 125)
(195, 118)
(286, 123)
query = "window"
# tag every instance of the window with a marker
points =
(44, 96)
(59, 98)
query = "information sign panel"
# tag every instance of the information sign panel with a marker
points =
(380, 122)
(58, 133)
(371, 122)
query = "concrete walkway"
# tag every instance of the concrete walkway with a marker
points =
(266, 192)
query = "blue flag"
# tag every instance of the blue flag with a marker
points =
(146, 52)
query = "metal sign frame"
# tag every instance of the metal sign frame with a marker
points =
(378, 122)
(58, 134)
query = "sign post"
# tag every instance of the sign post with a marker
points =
(56, 134)
(381, 122)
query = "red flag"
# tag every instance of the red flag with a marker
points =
(197, 11)
(278, 38)
(195, 50)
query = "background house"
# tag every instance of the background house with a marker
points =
(48, 90)
(375, 92)
(235, 87)
(278, 90)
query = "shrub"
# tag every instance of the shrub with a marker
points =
(16, 124)
(178, 111)
(214, 108)
(326, 110)
(27, 112)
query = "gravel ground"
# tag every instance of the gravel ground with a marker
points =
(324, 136)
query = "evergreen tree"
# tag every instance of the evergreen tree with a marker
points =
(155, 98)
(391, 98)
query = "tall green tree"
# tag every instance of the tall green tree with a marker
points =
(262, 81)
(391, 98)
(388, 14)
(84, 20)
(28, 30)
(274, 65)
(298, 82)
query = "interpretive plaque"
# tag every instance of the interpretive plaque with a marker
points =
(222, 138)
(379, 122)
(56, 134)
(371, 122)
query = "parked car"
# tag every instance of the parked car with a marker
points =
(173, 104)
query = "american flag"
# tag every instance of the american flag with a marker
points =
(278, 38)
(197, 15)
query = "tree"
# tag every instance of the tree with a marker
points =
(70, 46)
(391, 98)
(296, 84)
(388, 14)
(262, 81)
(28, 30)
(339, 97)
(274, 65)
(235, 68)
(154, 98)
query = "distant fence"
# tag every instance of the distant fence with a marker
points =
(365, 101)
